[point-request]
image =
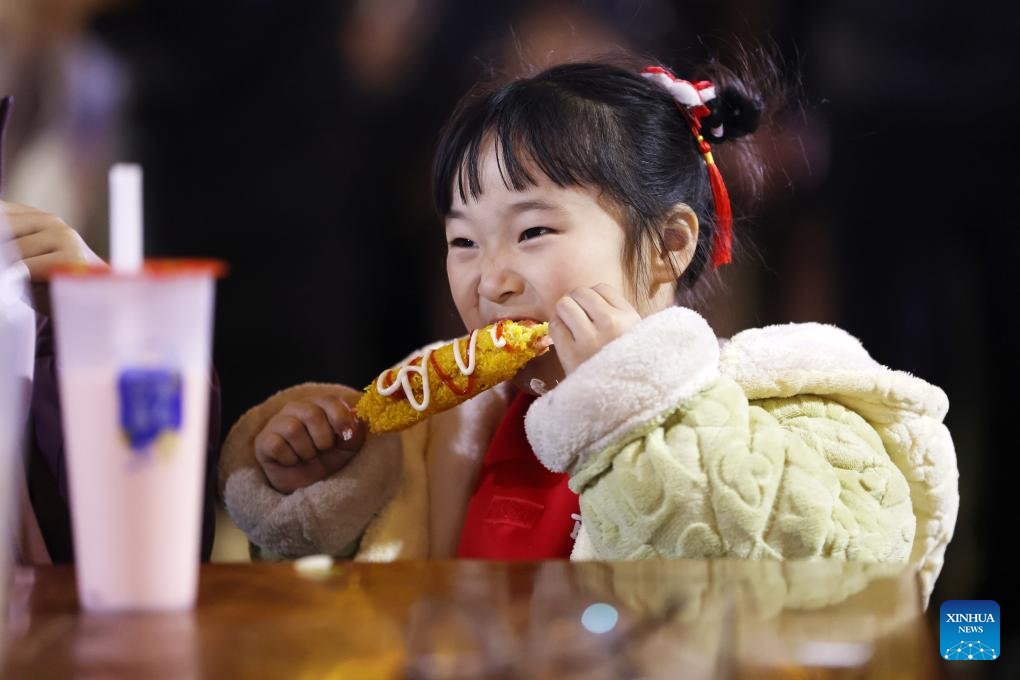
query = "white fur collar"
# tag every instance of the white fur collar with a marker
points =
(640, 376)
(643, 376)
(813, 358)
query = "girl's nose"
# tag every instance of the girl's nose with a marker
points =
(499, 282)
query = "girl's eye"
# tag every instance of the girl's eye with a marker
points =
(461, 243)
(535, 232)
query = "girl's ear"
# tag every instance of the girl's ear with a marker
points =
(680, 240)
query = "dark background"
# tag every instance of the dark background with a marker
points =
(293, 140)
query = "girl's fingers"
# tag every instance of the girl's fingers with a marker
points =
(574, 318)
(614, 297)
(591, 319)
(352, 436)
(349, 429)
(595, 306)
(559, 333)
(563, 342)
(336, 411)
(295, 433)
(315, 422)
(270, 447)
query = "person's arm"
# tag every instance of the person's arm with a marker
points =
(321, 501)
(796, 478)
(672, 460)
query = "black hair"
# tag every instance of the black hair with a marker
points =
(636, 147)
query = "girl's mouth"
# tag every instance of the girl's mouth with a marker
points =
(526, 321)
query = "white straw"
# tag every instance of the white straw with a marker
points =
(126, 217)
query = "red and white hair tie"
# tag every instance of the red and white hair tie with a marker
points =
(692, 95)
(691, 100)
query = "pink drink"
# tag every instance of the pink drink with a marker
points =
(137, 514)
(133, 353)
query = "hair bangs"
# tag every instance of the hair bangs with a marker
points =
(531, 130)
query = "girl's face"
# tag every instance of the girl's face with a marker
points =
(513, 254)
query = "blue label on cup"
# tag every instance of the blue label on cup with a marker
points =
(150, 405)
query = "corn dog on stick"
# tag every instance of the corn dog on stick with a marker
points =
(441, 378)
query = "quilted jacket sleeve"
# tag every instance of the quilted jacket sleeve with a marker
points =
(674, 458)
(721, 477)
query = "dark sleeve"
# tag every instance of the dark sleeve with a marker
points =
(212, 459)
(46, 465)
(5, 110)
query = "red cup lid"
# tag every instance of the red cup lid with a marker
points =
(165, 268)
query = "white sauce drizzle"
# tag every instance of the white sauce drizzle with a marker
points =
(472, 341)
(496, 342)
(403, 379)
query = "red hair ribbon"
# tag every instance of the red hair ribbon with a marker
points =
(691, 99)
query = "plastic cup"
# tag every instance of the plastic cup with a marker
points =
(134, 356)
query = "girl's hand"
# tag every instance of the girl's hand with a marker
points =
(587, 320)
(44, 241)
(307, 441)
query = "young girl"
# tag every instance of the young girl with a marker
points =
(587, 196)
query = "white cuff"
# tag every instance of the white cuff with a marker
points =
(645, 374)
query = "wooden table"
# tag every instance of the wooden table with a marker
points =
(490, 619)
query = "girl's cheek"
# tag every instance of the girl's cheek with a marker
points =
(464, 291)
(461, 294)
(454, 277)
(558, 279)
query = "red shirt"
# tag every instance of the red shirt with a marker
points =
(520, 510)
